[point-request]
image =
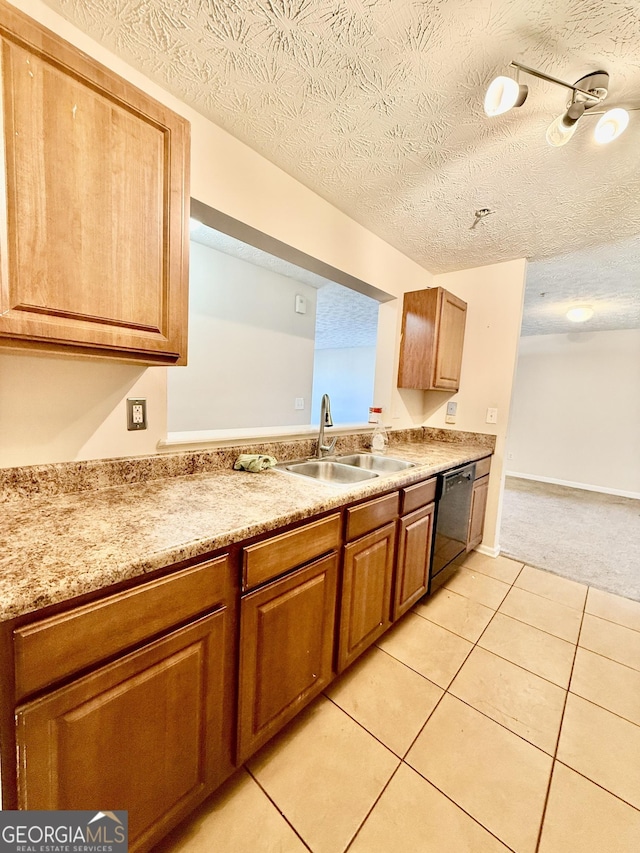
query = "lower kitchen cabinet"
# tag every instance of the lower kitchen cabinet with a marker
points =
(365, 608)
(144, 734)
(478, 512)
(478, 509)
(127, 702)
(415, 542)
(286, 649)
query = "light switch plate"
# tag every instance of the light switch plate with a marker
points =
(136, 413)
(452, 408)
(492, 416)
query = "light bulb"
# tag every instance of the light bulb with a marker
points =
(503, 94)
(562, 128)
(611, 125)
(580, 313)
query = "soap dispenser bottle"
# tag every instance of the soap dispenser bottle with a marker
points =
(379, 438)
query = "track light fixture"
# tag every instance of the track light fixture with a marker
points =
(588, 92)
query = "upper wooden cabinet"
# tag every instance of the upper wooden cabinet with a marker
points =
(93, 231)
(433, 323)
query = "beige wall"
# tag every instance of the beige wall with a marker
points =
(494, 295)
(65, 409)
(576, 411)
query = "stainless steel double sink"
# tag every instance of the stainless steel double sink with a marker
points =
(346, 470)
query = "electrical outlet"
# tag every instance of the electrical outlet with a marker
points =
(136, 414)
(298, 404)
(492, 416)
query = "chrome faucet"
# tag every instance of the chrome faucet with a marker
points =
(325, 421)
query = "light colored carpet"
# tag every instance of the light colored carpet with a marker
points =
(589, 537)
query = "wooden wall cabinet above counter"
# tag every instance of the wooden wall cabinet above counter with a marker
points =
(94, 232)
(433, 324)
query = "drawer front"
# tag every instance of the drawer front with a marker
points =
(483, 466)
(280, 554)
(366, 517)
(413, 497)
(55, 648)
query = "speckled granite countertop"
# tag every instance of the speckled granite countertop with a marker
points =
(53, 548)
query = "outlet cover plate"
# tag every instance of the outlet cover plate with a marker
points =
(136, 413)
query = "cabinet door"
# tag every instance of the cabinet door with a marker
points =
(286, 650)
(478, 512)
(450, 340)
(96, 195)
(365, 608)
(433, 322)
(146, 734)
(415, 541)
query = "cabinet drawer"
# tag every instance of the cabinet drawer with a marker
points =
(366, 517)
(280, 554)
(413, 497)
(54, 648)
(483, 466)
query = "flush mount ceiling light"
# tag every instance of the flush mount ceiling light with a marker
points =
(588, 92)
(580, 313)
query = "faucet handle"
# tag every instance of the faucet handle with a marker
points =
(331, 447)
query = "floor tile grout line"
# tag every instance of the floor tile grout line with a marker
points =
(375, 803)
(555, 753)
(504, 613)
(462, 809)
(422, 727)
(462, 637)
(611, 660)
(520, 666)
(552, 600)
(498, 723)
(412, 669)
(611, 622)
(604, 708)
(598, 785)
(470, 568)
(606, 657)
(363, 727)
(277, 808)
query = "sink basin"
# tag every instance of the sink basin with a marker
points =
(371, 462)
(328, 471)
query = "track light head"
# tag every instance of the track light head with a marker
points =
(503, 94)
(562, 129)
(611, 125)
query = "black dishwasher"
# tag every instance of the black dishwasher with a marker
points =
(452, 520)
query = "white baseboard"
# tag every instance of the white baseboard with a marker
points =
(585, 486)
(490, 552)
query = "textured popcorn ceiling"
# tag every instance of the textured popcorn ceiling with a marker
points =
(377, 106)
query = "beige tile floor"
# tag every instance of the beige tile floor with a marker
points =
(502, 713)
